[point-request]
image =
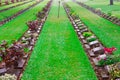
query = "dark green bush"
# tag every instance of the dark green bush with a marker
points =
(91, 39)
(109, 60)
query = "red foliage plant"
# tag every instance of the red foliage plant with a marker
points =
(6, 2)
(12, 1)
(109, 50)
(33, 25)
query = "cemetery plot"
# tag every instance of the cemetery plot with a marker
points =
(18, 53)
(103, 56)
(17, 12)
(13, 6)
(53, 55)
(97, 11)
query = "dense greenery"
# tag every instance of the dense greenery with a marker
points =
(58, 54)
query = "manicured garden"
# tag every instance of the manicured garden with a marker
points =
(7, 6)
(58, 52)
(59, 40)
(106, 31)
(11, 12)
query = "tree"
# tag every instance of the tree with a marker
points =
(111, 2)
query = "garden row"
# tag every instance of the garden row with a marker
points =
(17, 54)
(9, 2)
(98, 11)
(101, 58)
(5, 20)
(19, 22)
(7, 6)
(14, 6)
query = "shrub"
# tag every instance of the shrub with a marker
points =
(0, 59)
(109, 50)
(26, 50)
(8, 77)
(33, 25)
(12, 1)
(115, 70)
(109, 13)
(91, 39)
(13, 54)
(6, 2)
(87, 34)
(109, 60)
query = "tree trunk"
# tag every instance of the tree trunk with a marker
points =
(111, 2)
(0, 2)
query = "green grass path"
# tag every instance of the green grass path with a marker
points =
(58, 54)
(105, 30)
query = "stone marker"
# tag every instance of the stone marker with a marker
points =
(98, 50)
(91, 53)
(84, 30)
(83, 27)
(95, 61)
(20, 64)
(87, 46)
(2, 71)
(81, 36)
(91, 37)
(94, 44)
(84, 41)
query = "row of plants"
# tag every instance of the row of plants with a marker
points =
(8, 8)
(12, 54)
(14, 15)
(98, 11)
(14, 10)
(106, 57)
(9, 2)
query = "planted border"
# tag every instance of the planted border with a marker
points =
(28, 39)
(105, 63)
(18, 13)
(14, 6)
(112, 19)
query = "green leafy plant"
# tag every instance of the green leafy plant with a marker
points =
(109, 13)
(109, 60)
(91, 39)
(87, 34)
(0, 59)
(26, 50)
